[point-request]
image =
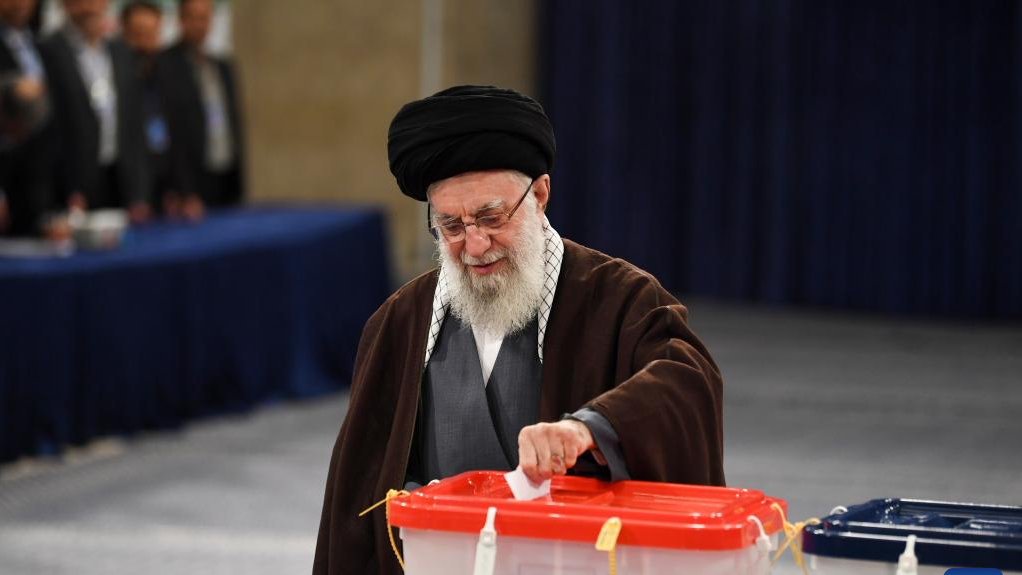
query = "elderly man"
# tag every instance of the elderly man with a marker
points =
(476, 364)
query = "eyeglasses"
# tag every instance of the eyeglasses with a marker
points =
(489, 222)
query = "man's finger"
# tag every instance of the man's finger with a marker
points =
(527, 454)
(571, 453)
(558, 463)
(564, 447)
(543, 468)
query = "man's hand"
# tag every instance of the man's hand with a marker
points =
(139, 212)
(548, 449)
(29, 90)
(76, 202)
(192, 208)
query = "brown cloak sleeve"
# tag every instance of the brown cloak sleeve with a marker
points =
(620, 344)
(371, 451)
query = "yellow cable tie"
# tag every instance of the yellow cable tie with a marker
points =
(391, 494)
(607, 541)
(791, 537)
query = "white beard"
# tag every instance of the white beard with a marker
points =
(505, 301)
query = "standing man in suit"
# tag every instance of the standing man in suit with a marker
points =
(141, 24)
(98, 115)
(24, 118)
(202, 108)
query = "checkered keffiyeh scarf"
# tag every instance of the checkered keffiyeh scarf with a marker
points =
(552, 269)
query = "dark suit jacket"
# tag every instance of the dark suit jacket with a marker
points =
(25, 160)
(186, 118)
(77, 127)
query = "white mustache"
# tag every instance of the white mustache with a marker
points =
(487, 258)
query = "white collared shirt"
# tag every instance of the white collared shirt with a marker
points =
(219, 143)
(487, 347)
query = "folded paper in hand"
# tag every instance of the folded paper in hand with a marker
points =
(522, 488)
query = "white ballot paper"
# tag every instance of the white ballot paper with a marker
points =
(522, 488)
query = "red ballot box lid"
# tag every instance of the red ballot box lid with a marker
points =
(652, 514)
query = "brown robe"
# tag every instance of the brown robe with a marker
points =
(616, 342)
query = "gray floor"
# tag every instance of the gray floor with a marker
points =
(822, 409)
(238, 495)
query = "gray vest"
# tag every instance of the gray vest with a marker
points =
(465, 425)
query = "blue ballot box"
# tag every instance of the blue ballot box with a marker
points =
(872, 537)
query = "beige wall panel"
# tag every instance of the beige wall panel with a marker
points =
(491, 42)
(322, 79)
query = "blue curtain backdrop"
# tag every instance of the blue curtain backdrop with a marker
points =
(863, 155)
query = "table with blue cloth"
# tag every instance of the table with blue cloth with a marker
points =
(184, 320)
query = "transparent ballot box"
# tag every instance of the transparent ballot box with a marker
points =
(472, 524)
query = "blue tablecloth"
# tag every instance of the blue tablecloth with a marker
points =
(184, 320)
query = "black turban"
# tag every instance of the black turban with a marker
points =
(467, 129)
